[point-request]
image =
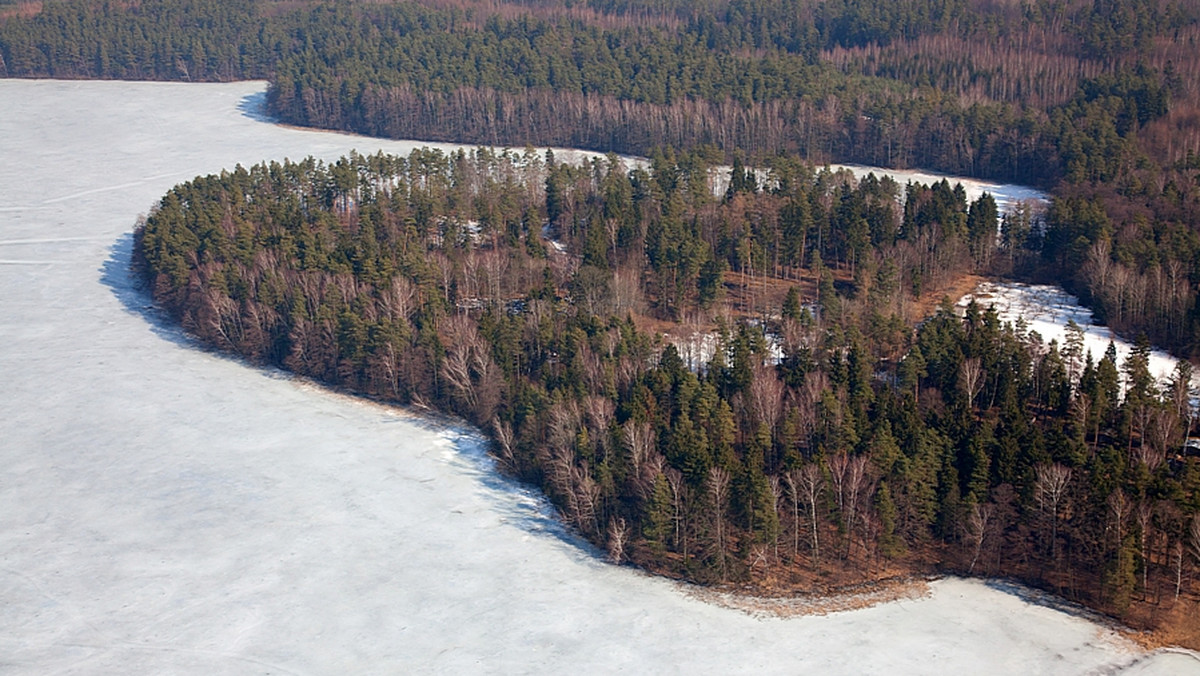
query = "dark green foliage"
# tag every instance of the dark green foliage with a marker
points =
(736, 76)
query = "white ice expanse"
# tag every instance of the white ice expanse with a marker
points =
(1007, 195)
(167, 510)
(1047, 309)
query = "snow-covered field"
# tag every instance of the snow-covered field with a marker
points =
(1047, 309)
(167, 510)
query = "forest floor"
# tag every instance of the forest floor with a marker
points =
(958, 287)
(755, 297)
(1176, 625)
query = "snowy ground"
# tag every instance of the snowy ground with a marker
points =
(697, 349)
(167, 510)
(1047, 309)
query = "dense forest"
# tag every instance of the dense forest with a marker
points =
(916, 83)
(1098, 100)
(523, 294)
(848, 427)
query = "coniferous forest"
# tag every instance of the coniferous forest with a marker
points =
(850, 425)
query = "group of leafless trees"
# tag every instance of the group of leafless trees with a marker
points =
(1162, 297)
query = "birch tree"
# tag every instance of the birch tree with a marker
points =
(1050, 489)
(718, 491)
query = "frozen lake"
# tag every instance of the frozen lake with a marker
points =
(167, 510)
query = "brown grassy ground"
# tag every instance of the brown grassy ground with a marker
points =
(1177, 625)
(820, 603)
(927, 304)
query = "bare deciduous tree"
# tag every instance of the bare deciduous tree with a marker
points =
(839, 464)
(587, 499)
(970, 379)
(627, 290)
(618, 536)
(718, 490)
(777, 494)
(1050, 489)
(860, 486)
(639, 439)
(679, 495)
(1150, 456)
(504, 444)
(397, 300)
(1177, 554)
(979, 523)
(1119, 508)
(495, 263)
(1164, 429)
(461, 338)
(569, 478)
(808, 484)
(766, 395)
(1144, 512)
(1081, 409)
(468, 368)
(600, 412)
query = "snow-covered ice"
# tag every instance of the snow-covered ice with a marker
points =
(1007, 195)
(1047, 309)
(167, 510)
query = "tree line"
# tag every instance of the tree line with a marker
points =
(915, 83)
(825, 441)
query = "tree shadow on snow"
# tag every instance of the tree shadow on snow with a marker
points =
(1045, 599)
(515, 502)
(118, 276)
(254, 106)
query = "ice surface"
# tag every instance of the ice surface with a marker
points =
(1047, 309)
(167, 510)
(1007, 195)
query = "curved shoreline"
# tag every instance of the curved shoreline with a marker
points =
(169, 510)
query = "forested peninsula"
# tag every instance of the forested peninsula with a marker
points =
(823, 444)
(850, 426)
